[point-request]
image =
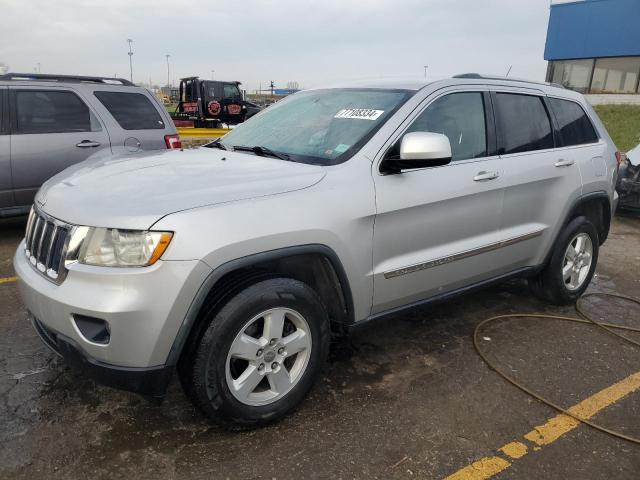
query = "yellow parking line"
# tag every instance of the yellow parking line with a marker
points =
(548, 433)
(8, 280)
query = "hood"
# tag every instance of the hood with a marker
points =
(136, 191)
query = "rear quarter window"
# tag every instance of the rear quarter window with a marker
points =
(132, 111)
(573, 123)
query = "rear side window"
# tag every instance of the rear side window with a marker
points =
(51, 111)
(523, 123)
(132, 111)
(574, 125)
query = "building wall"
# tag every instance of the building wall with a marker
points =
(613, 99)
(593, 29)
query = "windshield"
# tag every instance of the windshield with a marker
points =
(323, 127)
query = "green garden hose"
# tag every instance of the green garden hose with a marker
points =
(610, 328)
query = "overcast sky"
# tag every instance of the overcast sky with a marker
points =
(254, 41)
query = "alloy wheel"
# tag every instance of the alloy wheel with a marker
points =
(268, 356)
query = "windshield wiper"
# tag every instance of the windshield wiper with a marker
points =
(262, 151)
(216, 144)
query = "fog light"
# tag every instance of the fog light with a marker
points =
(94, 330)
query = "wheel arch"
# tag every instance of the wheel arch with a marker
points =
(596, 207)
(315, 264)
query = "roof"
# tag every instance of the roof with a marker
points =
(45, 77)
(461, 79)
(593, 29)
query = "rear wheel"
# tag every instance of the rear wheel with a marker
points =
(260, 354)
(572, 264)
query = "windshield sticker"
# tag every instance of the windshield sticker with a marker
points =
(343, 147)
(359, 113)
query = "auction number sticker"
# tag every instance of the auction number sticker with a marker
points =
(359, 113)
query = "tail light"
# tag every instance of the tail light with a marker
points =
(173, 141)
(619, 159)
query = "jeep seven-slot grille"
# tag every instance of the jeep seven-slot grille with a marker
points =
(45, 243)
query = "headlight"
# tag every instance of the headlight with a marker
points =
(112, 247)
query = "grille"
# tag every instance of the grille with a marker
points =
(45, 245)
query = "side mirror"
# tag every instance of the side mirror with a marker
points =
(420, 150)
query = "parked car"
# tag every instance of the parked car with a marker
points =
(628, 186)
(233, 264)
(48, 122)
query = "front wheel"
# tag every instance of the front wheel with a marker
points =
(260, 354)
(572, 264)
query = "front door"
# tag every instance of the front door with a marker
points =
(232, 104)
(51, 129)
(438, 229)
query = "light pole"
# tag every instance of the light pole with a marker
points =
(425, 71)
(168, 81)
(130, 60)
(212, 72)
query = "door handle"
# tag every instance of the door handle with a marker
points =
(564, 163)
(482, 176)
(87, 144)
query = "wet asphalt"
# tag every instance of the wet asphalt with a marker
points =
(407, 397)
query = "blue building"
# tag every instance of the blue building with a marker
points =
(593, 46)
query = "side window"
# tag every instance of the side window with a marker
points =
(231, 91)
(3, 114)
(459, 116)
(132, 111)
(523, 123)
(51, 111)
(574, 125)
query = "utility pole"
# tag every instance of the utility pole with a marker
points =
(38, 67)
(425, 71)
(509, 71)
(168, 81)
(130, 60)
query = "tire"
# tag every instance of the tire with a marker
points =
(216, 375)
(551, 284)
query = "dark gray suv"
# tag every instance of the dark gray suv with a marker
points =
(49, 122)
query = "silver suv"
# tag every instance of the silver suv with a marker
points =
(234, 264)
(48, 122)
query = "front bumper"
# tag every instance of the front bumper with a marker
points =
(151, 382)
(143, 307)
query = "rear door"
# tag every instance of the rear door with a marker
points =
(136, 120)
(6, 186)
(51, 129)
(541, 179)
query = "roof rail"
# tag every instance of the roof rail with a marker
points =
(490, 77)
(66, 78)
